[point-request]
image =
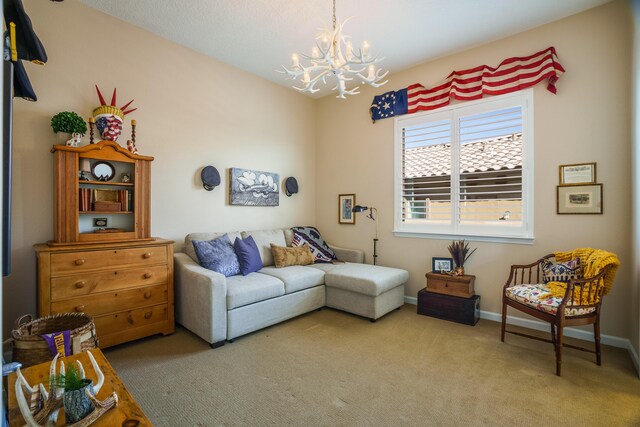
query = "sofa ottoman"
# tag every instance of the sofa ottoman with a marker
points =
(367, 290)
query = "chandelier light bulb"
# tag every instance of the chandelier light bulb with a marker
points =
(365, 48)
(333, 58)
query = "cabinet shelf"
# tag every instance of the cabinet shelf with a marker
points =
(104, 212)
(117, 184)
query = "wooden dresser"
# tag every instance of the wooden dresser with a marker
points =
(127, 287)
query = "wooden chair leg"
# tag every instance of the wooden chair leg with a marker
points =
(559, 350)
(553, 335)
(596, 334)
(504, 318)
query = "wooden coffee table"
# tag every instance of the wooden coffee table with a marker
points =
(127, 413)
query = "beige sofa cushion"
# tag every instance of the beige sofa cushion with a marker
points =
(366, 279)
(296, 277)
(252, 288)
(264, 239)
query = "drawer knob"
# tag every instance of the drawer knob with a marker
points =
(446, 284)
(147, 255)
(79, 261)
(79, 308)
(80, 284)
(147, 315)
(147, 275)
(147, 295)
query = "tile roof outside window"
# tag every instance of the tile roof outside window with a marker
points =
(478, 156)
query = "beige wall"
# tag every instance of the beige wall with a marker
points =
(635, 276)
(193, 111)
(587, 121)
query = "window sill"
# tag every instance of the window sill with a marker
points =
(493, 239)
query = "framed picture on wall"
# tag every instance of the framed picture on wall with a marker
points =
(346, 202)
(580, 199)
(578, 174)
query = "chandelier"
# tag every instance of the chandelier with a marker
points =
(333, 56)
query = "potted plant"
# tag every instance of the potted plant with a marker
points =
(70, 123)
(459, 250)
(76, 402)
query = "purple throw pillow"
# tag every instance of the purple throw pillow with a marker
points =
(248, 255)
(217, 255)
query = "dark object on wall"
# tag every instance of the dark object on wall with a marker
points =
(28, 44)
(210, 178)
(455, 309)
(290, 186)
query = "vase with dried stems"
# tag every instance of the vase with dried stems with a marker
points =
(460, 252)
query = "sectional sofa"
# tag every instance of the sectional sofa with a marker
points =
(219, 308)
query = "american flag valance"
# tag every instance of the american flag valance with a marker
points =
(511, 75)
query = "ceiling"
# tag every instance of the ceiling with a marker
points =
(259, 36)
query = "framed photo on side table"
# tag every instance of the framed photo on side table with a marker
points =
(580, 199)
(346, 202)
(578, 174)
(441, 265)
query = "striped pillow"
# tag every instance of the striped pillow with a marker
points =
(561, 271)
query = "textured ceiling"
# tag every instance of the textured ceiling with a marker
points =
(259, 35)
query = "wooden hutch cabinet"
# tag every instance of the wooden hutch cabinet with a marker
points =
(102, 259)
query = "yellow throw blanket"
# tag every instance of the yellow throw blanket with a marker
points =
(592, 262)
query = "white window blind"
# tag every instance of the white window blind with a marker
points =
(465, 169)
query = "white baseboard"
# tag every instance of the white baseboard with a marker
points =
(569, 332)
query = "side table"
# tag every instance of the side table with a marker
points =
(125, 413)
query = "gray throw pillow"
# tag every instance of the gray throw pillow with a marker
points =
(217, 255)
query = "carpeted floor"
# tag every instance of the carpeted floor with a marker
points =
(329, 368)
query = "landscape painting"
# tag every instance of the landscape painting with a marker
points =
(249, 187)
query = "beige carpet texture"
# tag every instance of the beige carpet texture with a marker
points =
(329, 368)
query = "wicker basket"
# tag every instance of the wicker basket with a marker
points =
(29, 348)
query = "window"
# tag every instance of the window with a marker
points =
(467, 170)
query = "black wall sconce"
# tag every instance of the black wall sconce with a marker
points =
(210, 178)
(290, 186)
(373, 213)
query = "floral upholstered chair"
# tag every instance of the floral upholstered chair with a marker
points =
(567, 292)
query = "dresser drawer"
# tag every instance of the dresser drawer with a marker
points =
(75, 262)
(119, 322)
(91, 283)
(111, 302)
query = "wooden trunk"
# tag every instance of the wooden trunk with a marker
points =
(459, 286)
(447, 307)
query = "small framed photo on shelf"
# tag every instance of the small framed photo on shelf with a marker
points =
(346, 202)
(578, 174)
(579, 199)
(441, 265)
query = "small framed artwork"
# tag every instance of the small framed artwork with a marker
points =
(580, 199)
(578, 174)
(346, 202)
(441, 265)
